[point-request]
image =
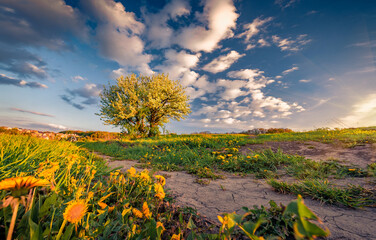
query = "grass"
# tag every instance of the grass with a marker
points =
(113, 205)
(208, 155)
(324, 191)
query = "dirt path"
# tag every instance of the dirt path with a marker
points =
(234, 192)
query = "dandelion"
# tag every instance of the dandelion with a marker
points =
(19, 186)
(132, 171)
(160, 179)
(229, 155)
(248, 156)
(159, 192)
(175, 237)
(74, 213)
(137, 213)
(352, 169)
(145, 210)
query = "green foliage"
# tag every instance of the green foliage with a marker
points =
(277, 222)
(324, 191)
(141, 105)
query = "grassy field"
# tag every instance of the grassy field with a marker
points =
(209, 155)
(56, 190)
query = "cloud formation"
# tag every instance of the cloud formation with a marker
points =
(88, 94)
(5, 80)
(118, 34)
(289, 44)
(31, 112)
(220, 16)
(223, 62)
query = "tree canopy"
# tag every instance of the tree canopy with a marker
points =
(140, 105)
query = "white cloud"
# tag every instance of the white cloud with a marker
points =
(5, 80)
(252, 29)
(295, 68)
(204, 84)
(118, 33)
(256, 79)
(78, 78)
(233, 88)
(285, 3)
(363, 113)
(223, 62)
(178, 65)
(305, 80)
(331, 79)
(220, 17)
(288, 44)
(158, 31)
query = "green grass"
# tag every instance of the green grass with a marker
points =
(324, 191)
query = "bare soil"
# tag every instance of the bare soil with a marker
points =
(234, 192)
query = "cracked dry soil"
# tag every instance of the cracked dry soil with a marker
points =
(234, 192)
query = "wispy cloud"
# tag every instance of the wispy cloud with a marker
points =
(287, 71)
(5, 80)
(223, 62)
(285, 3)
(289, 44)
(78, 78)
(305, 80)
(89, 93)
(31, 112)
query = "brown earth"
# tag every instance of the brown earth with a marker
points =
(234, 192)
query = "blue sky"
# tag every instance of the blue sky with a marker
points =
(300, 64)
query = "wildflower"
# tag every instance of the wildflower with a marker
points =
(248, 156)
(159, 192)
(175, 237)
(144, 176)
(137, 213)
(160, 179)
(229, 155)
(75, 211)
(132, 171)
(352, 169)
(21, 185)
(145, 210)
(160, 225)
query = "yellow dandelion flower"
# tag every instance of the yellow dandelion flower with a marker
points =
(137, 213)
(175, 237)
(352, 169)
(144, 176)
(21, 185)
(248, 156)
(75, 211)
(160, 179)
(229, 155)
(132, 171)
(145, 210)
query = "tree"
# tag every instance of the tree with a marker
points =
(140, 105)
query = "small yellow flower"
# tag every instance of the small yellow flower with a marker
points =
(145, 210)
(132, 171)
(229, 155)
(159, 192)
(75, 211)
(175, 237)
(160, 179)
(160, 225)
(352, 169)
(137, 213)
(248, 156)
(21, 185)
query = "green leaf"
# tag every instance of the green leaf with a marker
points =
(51, 200)
(35, 230)
(68, 232)
(190, 224)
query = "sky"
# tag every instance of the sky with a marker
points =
(299, 64)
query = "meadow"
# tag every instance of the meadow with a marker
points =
(60, 190)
